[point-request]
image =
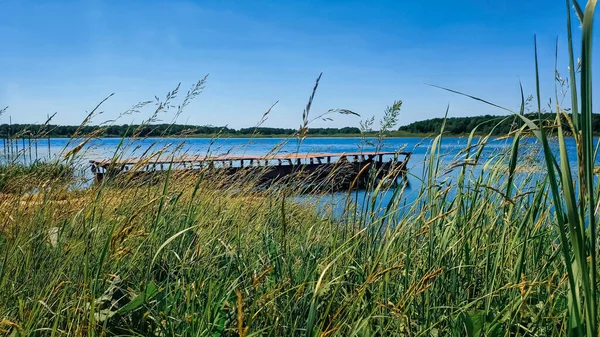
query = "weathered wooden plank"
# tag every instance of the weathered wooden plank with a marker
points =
(229, 157)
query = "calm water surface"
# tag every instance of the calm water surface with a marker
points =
(450, 149)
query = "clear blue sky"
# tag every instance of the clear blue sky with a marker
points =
(65, 56)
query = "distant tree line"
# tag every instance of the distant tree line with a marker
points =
(157, 130)
(497, 125)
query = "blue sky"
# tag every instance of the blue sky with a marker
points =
(65, 56)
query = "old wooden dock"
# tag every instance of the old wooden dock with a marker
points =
(338, 168)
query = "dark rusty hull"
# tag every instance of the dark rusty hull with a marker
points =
(339, 175)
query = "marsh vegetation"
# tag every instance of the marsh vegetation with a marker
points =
(490, 250)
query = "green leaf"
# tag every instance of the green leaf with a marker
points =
(474, 322)
(149, 292)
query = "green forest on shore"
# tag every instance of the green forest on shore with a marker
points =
(454, 126)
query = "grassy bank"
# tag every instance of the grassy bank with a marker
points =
(186, 257)
(489, 248)
(205, 256)
(21, 178)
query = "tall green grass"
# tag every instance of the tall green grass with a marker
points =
(198, 256)
(576, 212)
(21, 178)
(183, 257)
(489, 248)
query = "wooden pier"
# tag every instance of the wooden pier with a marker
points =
(341, 169)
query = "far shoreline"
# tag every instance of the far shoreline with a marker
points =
(232, 136)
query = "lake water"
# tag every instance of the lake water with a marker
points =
(105, 147)
(420, 148)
